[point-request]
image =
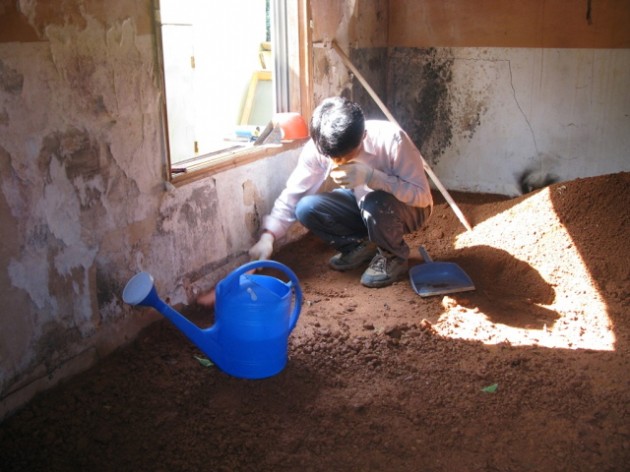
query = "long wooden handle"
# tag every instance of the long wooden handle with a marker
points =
(348, 63)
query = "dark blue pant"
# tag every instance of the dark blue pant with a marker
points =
(336, 218)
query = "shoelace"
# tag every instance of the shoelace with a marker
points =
(379, 263)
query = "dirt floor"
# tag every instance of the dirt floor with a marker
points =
(529, 372)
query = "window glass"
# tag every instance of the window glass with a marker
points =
(219, 67)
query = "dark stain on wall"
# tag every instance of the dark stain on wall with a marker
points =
(75, 150)
(372, 63)
(108, 287)
(81, 72)
(200, 208)
(197, 211)
(4, 117)
(418, 97)
(54, 343)
(39, 237)
(11, 81)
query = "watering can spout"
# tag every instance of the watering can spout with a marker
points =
(254, 316)
(140, 291)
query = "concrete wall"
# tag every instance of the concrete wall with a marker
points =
(83, 200)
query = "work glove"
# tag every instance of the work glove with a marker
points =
(352, 174)
(263, 248)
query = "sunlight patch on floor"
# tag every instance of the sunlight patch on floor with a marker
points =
(583, 321)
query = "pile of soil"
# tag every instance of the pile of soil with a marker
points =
(529, 372)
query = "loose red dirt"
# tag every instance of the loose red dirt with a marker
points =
(529, 372)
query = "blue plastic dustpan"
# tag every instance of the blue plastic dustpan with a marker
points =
(438, 278)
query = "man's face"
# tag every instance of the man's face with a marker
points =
(340, 160)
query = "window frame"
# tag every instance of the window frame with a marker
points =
(297, 86)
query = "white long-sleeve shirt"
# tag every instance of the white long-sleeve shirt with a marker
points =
(398, 169)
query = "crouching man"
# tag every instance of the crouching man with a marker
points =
(383, 193)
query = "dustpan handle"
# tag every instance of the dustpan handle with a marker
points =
(425, 254)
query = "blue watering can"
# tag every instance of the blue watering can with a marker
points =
(253, 319)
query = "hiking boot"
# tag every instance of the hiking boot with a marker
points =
(352, 259)
(384, 270)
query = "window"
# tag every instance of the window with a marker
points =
(226, 68)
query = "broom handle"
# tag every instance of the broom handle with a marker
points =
(390, 117)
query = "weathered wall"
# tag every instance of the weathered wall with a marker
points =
(490, 90)
(360, 28)
(485, 117)
(83, 202)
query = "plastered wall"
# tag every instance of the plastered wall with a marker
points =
(494, 90)
(359, 27)
(498, 114)
(83, 200)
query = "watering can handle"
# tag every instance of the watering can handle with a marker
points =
(235, 276)
(425, 254)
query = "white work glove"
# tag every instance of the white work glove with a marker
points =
(263, 248)
(352, 174)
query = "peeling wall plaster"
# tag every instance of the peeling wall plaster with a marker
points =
(27, 20)
(83, 201)
(354, 25)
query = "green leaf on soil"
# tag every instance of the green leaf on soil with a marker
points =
(204, 362)
(490, 388)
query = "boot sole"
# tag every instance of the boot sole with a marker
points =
(379, 283)
(349, 267)
(357, 264)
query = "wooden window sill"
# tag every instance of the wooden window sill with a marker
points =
(205, 166)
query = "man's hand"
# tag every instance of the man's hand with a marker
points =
(352, 175)
(263, 249)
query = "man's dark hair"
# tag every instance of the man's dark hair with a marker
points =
(337, 126)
